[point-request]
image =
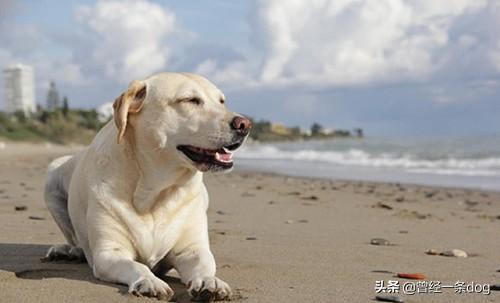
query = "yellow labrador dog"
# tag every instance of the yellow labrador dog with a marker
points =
(133, 203)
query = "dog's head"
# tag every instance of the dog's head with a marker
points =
(183, 115)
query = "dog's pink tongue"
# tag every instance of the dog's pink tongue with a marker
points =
(225, 157)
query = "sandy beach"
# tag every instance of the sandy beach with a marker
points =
(275, 238)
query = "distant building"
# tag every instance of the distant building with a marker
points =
(53, 101)
(280, 129)
(327, 131)
(19, 89)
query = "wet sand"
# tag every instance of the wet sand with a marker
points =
(275, 238)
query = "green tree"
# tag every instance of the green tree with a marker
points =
(20, 116)
(44, 117)
(65, 107)
(316, 129)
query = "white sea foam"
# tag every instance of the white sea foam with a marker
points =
(486, 166)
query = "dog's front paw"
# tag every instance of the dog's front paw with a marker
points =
(209, 289)
(151, 287)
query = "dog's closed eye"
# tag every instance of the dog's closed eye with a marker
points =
(193, 100)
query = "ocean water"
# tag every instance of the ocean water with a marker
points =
(472, 162)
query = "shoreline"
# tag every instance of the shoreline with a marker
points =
(364, 182)
(378, 182)
(368, 174)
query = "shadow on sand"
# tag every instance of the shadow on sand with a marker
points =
(24, 261)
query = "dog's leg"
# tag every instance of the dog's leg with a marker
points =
(195, 263)
(118, 266)
(197, 270)
(56, 199)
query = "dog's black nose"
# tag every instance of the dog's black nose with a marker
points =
(241, 125)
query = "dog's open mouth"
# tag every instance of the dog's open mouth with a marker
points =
(207, 159)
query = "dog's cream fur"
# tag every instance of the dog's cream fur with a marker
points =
(131, 203)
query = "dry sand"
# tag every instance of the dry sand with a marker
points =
(275, 238)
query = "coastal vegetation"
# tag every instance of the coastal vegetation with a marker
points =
(61, 126)
(268, 131)
(64, 125)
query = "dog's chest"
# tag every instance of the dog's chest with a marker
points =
(157, 233)
(156, 239)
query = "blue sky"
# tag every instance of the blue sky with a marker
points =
(393, 67)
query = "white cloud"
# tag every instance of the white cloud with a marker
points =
(351, 42)
(467, 92)
(27, 44)
(305, 44)
(235, 74)
(130, 36)
(113, 43)
(495, 56)
(494, 53)
(357, 41)
(105, 112)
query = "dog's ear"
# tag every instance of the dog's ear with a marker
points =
(130, 102)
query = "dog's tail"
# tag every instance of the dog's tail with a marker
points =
(56, 196)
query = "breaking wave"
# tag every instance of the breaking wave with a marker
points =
(487, 166)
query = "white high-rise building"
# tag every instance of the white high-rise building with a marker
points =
(19, 89)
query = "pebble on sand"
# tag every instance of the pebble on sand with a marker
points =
(430, 194)
(20, 207)
(36, 218)
(413, 276)
(380, 241)
(432, 252)
(383, 205)
(251, 238)
(458, 253)
(313, 197)
(389, 299)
